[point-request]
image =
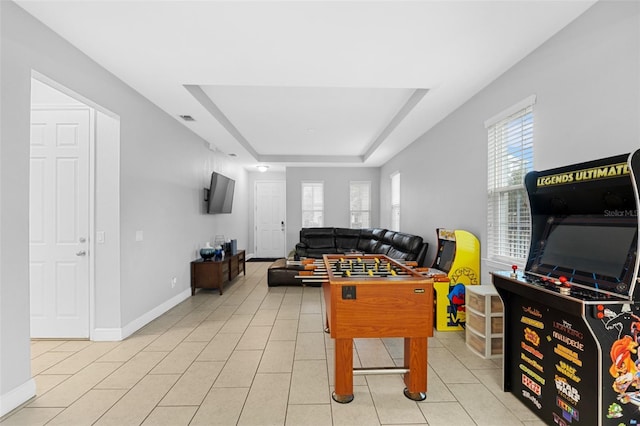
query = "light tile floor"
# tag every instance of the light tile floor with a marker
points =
(254, 356)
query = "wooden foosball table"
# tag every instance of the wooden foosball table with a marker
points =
(373, 296)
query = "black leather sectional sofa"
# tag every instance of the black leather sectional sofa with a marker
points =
(314, 242)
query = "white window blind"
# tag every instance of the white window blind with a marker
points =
(312, 204)
(395, 201)
(360, 204)
(510, 159)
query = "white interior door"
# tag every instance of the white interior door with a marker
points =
(270, 219)
(59, 223)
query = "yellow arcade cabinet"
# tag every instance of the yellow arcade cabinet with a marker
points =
(458, 258)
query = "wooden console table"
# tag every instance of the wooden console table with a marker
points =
(214, 273)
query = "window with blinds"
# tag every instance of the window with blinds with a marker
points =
(312, 204)
(395, 201)
(510, 137)
(360, 204)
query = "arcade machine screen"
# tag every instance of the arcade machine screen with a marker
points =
(588, 252)
(446, 255)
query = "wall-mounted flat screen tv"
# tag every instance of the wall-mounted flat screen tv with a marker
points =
(219, 197)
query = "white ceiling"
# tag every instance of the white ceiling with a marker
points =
(307, 82)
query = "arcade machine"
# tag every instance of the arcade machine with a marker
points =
(572, 317)
(458, 262)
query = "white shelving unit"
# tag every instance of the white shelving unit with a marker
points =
(484, 321)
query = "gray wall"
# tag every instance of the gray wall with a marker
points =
(162, 170)
(587, 82)
(336, 195)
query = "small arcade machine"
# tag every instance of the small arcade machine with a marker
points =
(572, 318)
(458, 260)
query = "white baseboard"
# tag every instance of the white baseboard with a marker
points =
(117, 334)
(14, 398)
(106, 335)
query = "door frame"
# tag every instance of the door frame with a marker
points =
(255, 213)
(109, 138)
(92, 170)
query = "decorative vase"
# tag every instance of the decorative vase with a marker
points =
(207, 252)
(218, 253)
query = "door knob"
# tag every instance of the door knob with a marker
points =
(81, 253)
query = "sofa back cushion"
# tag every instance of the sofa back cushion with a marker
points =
(347, 239)
(407, 242)
(317, 238)
(370, 239)
(383, 248)
(368, 246)
(405, 246)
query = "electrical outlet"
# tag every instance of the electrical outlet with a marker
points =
(174, 281)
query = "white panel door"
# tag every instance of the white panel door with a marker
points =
(270, 219)
(59, 223)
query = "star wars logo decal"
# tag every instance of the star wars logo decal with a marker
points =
(565, 389)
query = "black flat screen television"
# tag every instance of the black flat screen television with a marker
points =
(220, 194)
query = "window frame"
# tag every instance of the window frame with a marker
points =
(395, 200)
(314, 185)
(366, 211)
(510, 153)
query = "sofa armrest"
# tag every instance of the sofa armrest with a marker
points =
(301, 250)
(422, 254)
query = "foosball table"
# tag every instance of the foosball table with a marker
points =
(374, 296)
